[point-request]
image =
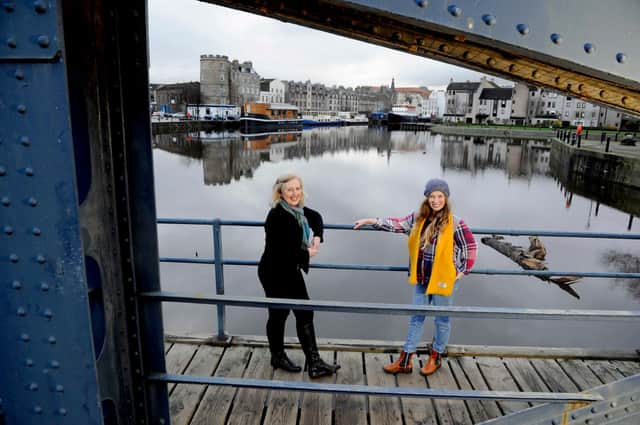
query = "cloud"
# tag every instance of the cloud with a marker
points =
(181, 30)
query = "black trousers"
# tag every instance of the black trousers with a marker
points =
(292, 287)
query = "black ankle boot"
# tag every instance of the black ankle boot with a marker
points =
(280, 360)
(315, 365)
(318, 367)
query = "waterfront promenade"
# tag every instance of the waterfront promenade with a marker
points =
(514, 369)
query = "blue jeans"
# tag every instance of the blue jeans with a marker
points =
(442, 323)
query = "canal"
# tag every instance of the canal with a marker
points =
(353, 172)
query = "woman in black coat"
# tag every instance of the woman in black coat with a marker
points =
(293, 235)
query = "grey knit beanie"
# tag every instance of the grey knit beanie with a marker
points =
(436, 184)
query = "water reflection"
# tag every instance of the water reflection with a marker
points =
(519, 158)
(358, 171)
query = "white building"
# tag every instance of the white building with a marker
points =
(435, 105)
(272, 91)
(213, 111)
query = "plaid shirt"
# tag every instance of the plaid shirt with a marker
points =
(465, 247)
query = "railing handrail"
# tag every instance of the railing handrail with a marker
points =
(475, 230)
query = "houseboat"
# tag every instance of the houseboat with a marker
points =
(264, 117)
(321, 119)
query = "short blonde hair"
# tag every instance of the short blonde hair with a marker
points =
(277, 188)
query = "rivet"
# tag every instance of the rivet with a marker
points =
(513, 68)
(6, 201)
(557, 80)
(12, 43)
(52, 340)
(621, 57)
(19, 74)
(40, 6)
(624, 100)
(443, 48)
(554, 422)
(36, 231)
(556, 38)
(62, 411)
(8, 230)
(44, 286)
(9, 7)
(573, 417)
(489, 20)
(613, 404)
(466, 54)
(523, 29)
(580, 87)
(25, 141)
(54, 364)
(28, 362)
(25, 337)
(602, 93)
(59, 388)
(21, 311)
(32, 201)
(45, 371)
(22, 109)
(626, 410)
(534, 73)
(16, 285)
(40, 259)
(3, 171)
(589, 48)
(588, 422)
(422, 3)
(491, 62)
(606, 416)
(454, 10)
(43, 41)
(14, 258)
(48, 313)
(38, 410)
(28, 171)
(33, 386)
(594, 409)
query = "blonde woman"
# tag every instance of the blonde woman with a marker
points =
(293, 236)
(441, 250)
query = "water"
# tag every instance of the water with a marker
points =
(355, 172)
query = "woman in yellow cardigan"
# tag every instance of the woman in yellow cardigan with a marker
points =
(441, 250)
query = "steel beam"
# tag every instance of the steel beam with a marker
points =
(583, 48)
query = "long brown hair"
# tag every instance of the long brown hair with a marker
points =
(440, 220)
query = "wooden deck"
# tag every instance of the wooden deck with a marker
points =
(200, 404)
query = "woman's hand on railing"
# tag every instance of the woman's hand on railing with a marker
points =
(363, 222)
(312, 251)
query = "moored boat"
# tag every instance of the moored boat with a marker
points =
(261, 117)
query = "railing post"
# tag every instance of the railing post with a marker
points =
(219, 276)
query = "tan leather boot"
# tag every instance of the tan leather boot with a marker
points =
(433, 363)
(403, 364)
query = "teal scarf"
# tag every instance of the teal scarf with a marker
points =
(298, 213)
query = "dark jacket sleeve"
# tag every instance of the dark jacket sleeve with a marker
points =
(315, 222)
(284, 243)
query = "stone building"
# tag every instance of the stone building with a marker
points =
(308, 96)
(227, 82)
(272, 91)
(172, 98)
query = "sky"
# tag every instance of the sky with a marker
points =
(181, 30)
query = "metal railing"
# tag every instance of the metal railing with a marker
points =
(221, 301)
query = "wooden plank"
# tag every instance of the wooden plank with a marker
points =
(214, 406)
(553, 375)
(466, 372)
(627, 368)
(580, 374)
(249, 403)
(185, 397)
(450, 412)
(282, 407)
(316, 408)
(604, 370)
(382, 410)
(416, 410)
(177, 360)
(525, 375)
(350, 409)
(498, 378)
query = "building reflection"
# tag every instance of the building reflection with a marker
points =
(228, 156)
(519, 158)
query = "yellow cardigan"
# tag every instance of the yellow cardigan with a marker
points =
(443, 272)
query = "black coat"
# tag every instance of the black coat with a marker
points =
(283, 256)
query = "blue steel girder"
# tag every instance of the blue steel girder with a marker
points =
(47, 371)
(584, 48)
